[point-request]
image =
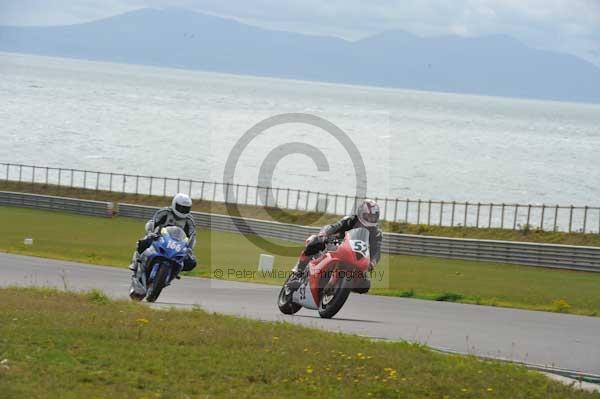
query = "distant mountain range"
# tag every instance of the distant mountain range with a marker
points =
(490, 65)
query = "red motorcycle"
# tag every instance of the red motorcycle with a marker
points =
(329, 278)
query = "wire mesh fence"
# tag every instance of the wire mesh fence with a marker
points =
(565, 218)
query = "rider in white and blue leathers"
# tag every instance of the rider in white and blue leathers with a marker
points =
(178, 214)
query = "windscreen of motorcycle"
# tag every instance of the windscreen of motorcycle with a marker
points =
(176, 233)
(359, 240)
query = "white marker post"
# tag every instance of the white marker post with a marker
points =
(28, 241)
(265, 263)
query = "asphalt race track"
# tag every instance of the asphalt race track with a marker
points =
(548, 339)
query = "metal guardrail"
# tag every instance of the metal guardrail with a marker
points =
(72, 205)
(568, 218)
(521, 253)
(531, 254)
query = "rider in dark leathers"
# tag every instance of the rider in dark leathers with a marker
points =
(367, 215)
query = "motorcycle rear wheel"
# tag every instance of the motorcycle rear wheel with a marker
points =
(332, 302)
(284, 301)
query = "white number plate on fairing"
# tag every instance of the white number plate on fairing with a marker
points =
(304, 297)
(360, 246)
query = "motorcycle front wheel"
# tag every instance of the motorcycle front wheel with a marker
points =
(334, 297)
(159, 282)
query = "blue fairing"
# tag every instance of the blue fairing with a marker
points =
(169, 250)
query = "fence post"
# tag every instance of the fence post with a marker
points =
(555, 218)
(466, 213)
(453, 209)
(491, 211)
(72, 177)
(246, 196)
(20, 173)
(528, 215)
(150, 188)
(429, 214)
(32, 177)
(7, 171)
(502, 217)
(297, 207)
(306, 204)
(46, 176)
(214, 195)
(226, 193)
(516, 215)
(585, 212)
(110, 181)
(137, 184)
(396, 210)
(571, 218)
(478, 213)
(85, 179)
(190, 191)
(202, 190)
(124, 182)
(164, 187)
(542, 218)
(277, 198)
(267, 196)
(287, 198)
(406, 211)
(419, 211)
(441, 212)
(178, 185)
(256, 195)
(335, 204)
(345, 205)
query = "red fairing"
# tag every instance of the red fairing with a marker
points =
(343, 258)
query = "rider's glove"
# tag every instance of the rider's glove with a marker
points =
(371, 266)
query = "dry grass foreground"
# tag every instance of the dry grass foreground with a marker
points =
(66, 345)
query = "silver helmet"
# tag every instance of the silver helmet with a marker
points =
(368, 213)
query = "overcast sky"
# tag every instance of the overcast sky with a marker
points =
(571, 26)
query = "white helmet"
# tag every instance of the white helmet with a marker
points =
(181, 205)
(368, 213)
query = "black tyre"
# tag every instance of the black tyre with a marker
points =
(284, 301)
(334, 297)
(160, 280)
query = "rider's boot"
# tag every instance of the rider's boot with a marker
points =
(135, 261)
(297, 272)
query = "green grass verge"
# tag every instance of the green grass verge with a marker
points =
(65, 345)
(316, 219)
(111, 241)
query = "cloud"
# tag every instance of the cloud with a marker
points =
(571, 26)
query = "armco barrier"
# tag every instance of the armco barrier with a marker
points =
(531, 254)
(83, 207)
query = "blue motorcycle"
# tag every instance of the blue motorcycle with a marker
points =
(160, 264)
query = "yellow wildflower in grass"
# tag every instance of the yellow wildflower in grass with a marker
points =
(305, 349)
(275, 338)
(490, 389)
(143, 321)
(309, 369)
